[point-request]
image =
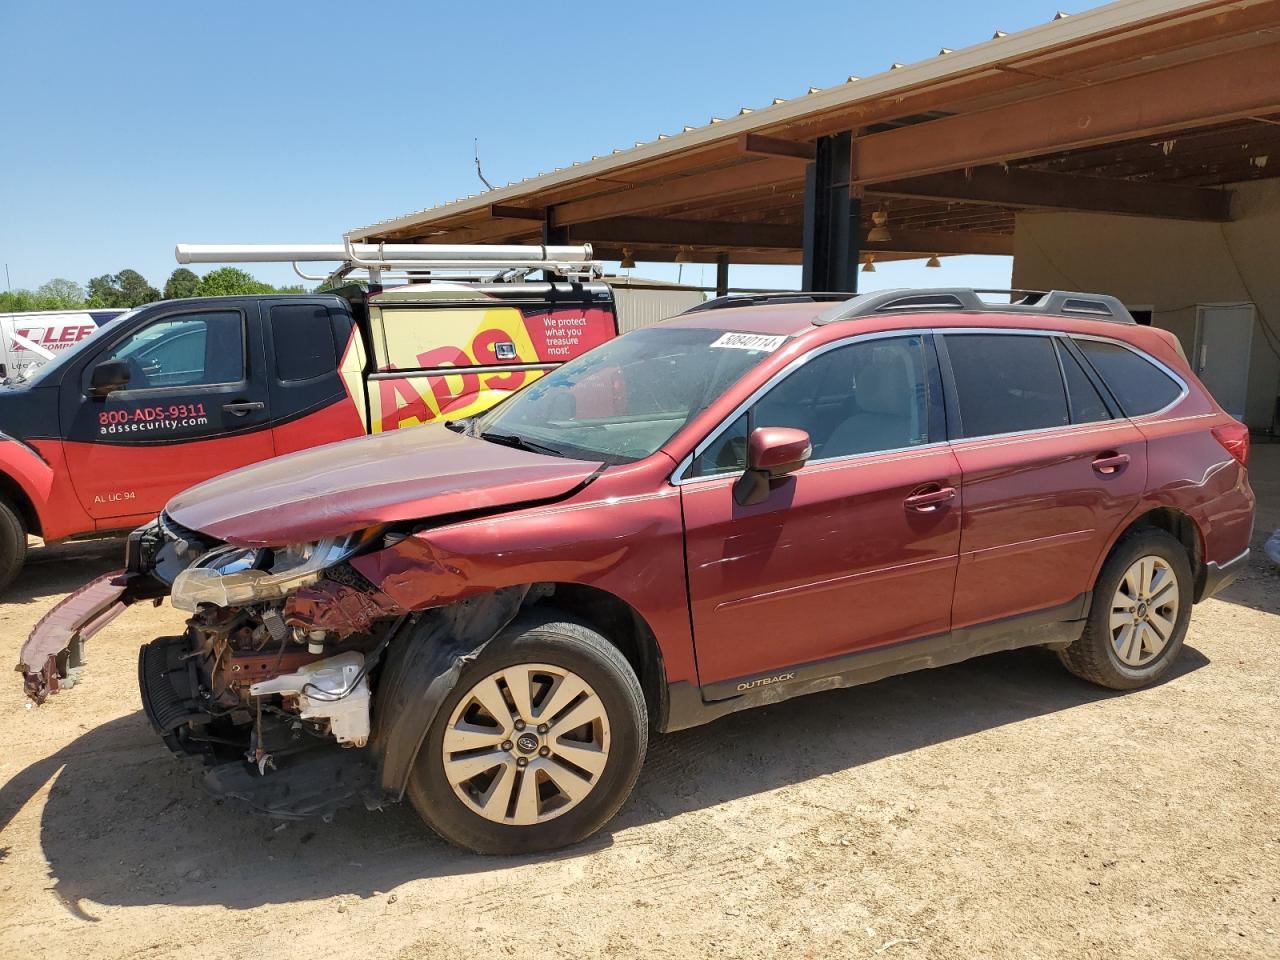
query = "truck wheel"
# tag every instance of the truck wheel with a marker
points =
(538, 744)
(1139, 616)
(13, 543)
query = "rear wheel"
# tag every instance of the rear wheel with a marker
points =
(1139, 616)
(538, 744)
(13, 543)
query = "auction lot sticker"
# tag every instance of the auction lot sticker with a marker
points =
(749, 341)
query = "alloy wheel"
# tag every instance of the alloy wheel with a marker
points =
(526, 744)
(1144, 611)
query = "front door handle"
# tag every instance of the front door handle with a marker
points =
(1109, 464)
(240, 408)
(930, 500)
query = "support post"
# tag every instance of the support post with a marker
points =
(552, 236)
(832, 218)
(722, 274)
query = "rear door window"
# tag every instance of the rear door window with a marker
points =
(1138, 385)
(303, 338)
(1006, 383)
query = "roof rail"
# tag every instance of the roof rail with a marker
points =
(1091, 306)
(759, 299)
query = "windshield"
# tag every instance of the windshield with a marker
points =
(623, 400)
(66, 356)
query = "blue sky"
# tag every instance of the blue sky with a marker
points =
(131, 126)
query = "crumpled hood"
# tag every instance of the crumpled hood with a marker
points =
(407, 474)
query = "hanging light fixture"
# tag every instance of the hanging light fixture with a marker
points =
(869, 264)
(628, 259)
(879, 231)
(683, 255)
(933, 261)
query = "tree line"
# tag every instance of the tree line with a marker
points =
(128, 289)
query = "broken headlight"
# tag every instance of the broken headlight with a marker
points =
(234, 576)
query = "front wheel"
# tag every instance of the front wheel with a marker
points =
(13, 544)
(1139, 616)
(538, 744)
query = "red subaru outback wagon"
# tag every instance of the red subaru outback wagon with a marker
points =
(740, 505)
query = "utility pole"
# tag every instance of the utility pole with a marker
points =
(7, 284)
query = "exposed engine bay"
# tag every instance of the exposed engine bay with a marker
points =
(256, 674)
(273, 682)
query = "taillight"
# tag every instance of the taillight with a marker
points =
(1234, 438)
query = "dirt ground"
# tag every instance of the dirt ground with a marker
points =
(998, 808)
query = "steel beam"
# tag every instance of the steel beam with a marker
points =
(1217, 89)
(502, 211)
(832, 219)
(777, 147)
(941, 242)
(1063, 191)
(691, 189)
(703, 233)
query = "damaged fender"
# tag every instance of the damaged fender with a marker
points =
(421, 670)
(53, 655)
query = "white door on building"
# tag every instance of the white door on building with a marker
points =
(1224, 336)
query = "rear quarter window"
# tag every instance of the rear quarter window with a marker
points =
(1139, 386)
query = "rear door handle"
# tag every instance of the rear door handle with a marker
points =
(243, 407)
(1109, 464)
(930, 500)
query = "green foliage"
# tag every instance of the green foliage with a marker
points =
(59, 294)
(128, 288)
(230, 282)
(17, 301)
(181, 283)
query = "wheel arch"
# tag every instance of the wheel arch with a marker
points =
(1181, 526)
(423, 662)
(623, 626)
(16, 495)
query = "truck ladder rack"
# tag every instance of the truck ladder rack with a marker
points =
(571, 261)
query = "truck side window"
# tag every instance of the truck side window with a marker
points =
(194, 349)
(303, 340)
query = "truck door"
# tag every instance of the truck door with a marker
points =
(195, 405)
(316, 372)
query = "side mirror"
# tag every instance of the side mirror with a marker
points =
(772, 454)
(109, 375)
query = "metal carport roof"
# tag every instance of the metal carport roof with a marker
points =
(1140, 106)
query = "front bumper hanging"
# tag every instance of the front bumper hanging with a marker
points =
(53, 655)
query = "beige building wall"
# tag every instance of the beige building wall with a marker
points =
(1172, 266)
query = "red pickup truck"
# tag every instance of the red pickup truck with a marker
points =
(179, 391)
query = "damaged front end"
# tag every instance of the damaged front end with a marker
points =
(278, 667)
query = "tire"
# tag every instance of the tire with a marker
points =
(13, 544)
(1107, 654)
(494, 811)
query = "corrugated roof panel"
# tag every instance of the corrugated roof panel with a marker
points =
(1063, 29)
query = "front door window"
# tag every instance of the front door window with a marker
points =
(190, 350)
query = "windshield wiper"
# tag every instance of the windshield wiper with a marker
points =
(519, 443)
